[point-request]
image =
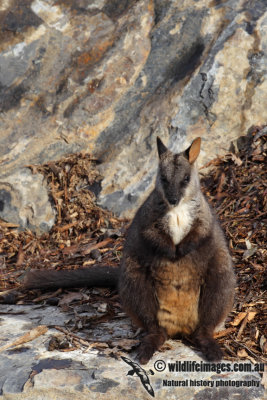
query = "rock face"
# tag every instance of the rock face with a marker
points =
(107, 77)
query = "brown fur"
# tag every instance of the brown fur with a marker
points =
(176, 280)
(177, 292)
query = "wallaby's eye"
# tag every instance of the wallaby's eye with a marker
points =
(186, 179)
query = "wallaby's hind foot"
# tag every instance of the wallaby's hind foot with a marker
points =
(149, 344)
(209, 347)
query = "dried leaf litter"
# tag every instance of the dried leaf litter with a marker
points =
(84, 234)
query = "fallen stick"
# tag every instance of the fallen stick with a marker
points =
(28, 337)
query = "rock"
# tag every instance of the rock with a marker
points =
(25, 199)
(109, 76)
(30, 371)
(96, 255)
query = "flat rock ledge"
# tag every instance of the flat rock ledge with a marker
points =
(30, 371)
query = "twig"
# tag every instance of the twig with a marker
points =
(229, 349)
(242, 327)
(91, 247)
(76, 337)
(224, 332)
(247, 348)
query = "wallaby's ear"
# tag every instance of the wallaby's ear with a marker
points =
(193, 151)
(161, 146)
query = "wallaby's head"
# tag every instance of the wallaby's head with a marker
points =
(177, 176)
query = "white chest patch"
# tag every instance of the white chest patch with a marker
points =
(180, 220)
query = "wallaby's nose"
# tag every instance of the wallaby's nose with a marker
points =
(172, 200)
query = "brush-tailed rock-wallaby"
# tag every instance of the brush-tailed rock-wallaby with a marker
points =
(176, 274)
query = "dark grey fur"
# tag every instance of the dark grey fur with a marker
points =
(149, 248)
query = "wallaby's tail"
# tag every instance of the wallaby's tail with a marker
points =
(104, 276)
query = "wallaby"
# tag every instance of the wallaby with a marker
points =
(176, 274)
